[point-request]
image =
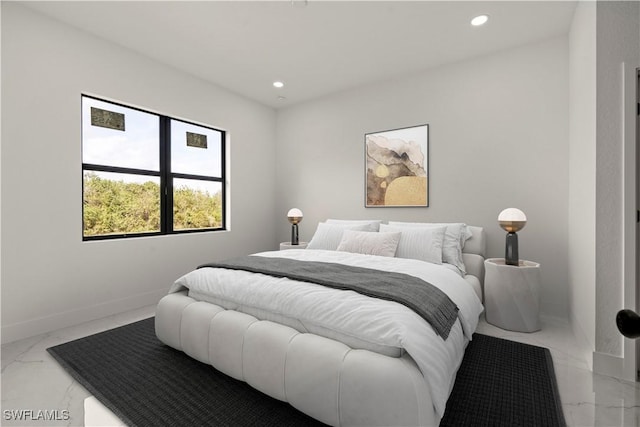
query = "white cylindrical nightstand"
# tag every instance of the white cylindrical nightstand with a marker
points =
(288, 245)
(512, 295)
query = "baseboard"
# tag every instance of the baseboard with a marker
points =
(608, 364)
(41, 325)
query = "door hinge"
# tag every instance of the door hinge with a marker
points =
(637, 215)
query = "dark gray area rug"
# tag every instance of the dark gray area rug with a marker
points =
(146, 383)
(504, 383)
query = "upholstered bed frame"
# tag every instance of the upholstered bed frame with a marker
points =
(321, 377)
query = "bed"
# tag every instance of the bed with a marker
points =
(341, 357)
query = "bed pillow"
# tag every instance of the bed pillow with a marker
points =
(457, 229)
(368, 243)
(423, 243)
(328, 236)
(455, 236)
(373, 224)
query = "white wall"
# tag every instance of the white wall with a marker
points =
(50, 278)
(582, 176)
(499, 137)
(617, 42)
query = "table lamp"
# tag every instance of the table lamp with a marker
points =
(512, 220)
(295, 216)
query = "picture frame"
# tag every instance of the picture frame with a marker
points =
(397, 167)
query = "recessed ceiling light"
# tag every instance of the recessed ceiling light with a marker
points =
(278, 84)
(479, 20)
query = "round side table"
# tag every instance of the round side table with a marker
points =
(288, 245)
(512, 295)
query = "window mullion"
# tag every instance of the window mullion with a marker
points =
(117, 169)
(223, 156)
(166, 196)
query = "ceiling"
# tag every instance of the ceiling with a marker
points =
(315, 47)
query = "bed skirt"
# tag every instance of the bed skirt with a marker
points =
(321, 377)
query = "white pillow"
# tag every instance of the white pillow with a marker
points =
(368, 243)
(423, 243)
(328, 236)
(373, 224)
(455, 237)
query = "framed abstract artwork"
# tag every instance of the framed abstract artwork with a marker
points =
(397, 167)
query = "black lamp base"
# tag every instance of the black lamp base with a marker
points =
(294, 235)
(511, 249)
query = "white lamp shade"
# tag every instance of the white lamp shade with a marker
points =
(512, 219)
(294, 215)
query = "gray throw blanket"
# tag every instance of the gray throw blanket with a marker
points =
(426, 300)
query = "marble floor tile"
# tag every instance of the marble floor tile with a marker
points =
(33, 380)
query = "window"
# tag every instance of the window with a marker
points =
(148, 174)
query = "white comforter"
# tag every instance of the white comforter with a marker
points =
(351, 314)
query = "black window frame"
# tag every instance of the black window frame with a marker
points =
(165, 174)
